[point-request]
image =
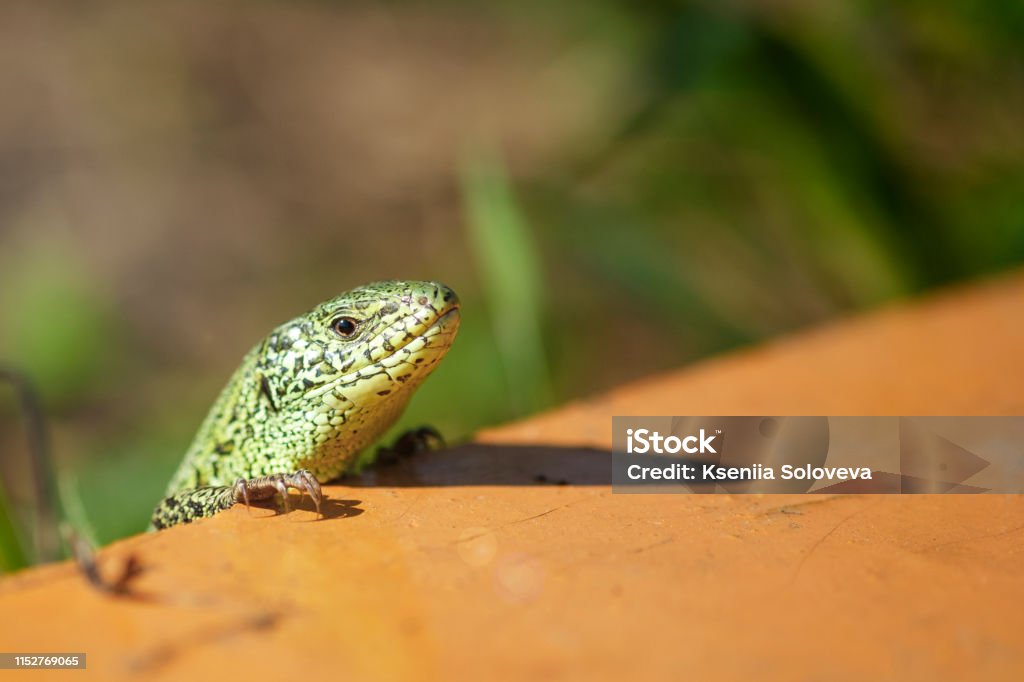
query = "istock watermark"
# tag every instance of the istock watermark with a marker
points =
(648, 441)
(818, 454)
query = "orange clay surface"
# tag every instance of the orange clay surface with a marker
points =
(461, 564)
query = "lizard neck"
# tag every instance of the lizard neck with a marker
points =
(223, 432)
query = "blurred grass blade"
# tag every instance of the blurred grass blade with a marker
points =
(509, 267)
(44, 522)
(12, 548)
(74, 510)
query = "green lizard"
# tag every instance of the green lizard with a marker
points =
(311, 395)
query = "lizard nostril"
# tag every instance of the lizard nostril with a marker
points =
(449, 297)
(422, 300)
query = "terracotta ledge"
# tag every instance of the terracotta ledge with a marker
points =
(475, 564)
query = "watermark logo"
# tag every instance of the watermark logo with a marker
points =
(818, 454)
(642, 441)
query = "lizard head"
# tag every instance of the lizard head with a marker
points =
(367, 347)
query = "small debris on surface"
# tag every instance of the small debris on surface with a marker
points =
(85, 557)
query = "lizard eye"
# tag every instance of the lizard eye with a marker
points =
(345, 327)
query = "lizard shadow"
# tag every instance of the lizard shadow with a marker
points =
(330, 508)
(483, 464)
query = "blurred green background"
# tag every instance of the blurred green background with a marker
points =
(614, 189)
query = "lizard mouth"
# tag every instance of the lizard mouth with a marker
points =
(445, 320)
(431, 343)
(436, 337)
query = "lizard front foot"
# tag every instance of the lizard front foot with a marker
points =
(196, 503)
(264, 487)
(412, 442)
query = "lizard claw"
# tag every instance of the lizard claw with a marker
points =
(265, 487)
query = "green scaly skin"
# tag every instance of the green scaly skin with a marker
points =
(310, 396)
